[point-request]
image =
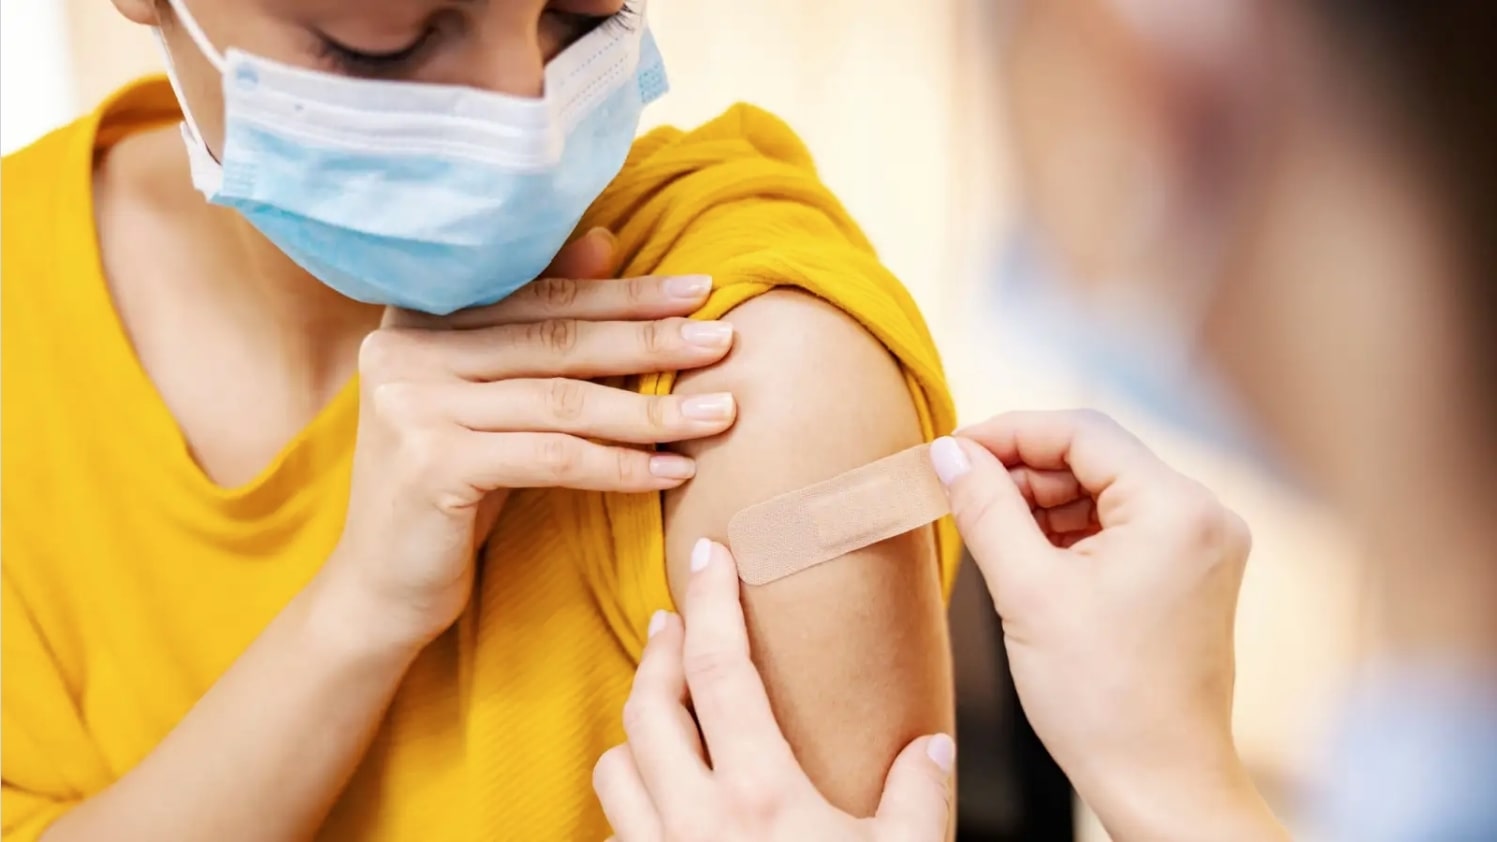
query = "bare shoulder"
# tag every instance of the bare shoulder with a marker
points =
(853, 652)
(818, 395)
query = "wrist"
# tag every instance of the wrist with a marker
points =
(350, 625)
(1208, 796)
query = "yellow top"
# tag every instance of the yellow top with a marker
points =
(131, 582)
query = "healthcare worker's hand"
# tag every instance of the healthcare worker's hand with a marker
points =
(1117, 579)
(658, 786)
(455, 411)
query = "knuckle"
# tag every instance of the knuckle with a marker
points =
(709, 664)
(1207, 523)
(636, 715)
(398, 403)
(556, 335)
(555, 294)
(380, 352)
(629, 466)
(556, 457)
(638, 291)
(1093, 419)
(658, 413)
(423, 453)
(654, 338)
(755, 798)
(566, 400)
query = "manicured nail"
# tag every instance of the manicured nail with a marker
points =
(688, 287)
(672, 466)
(708, 407)
(947, 458)
(941, 750)
(657, 622)
(707, 334)
(700, 555)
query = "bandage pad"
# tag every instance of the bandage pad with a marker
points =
(801, 529)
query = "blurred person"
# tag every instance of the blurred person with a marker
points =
(1301, 200)
(321, 518)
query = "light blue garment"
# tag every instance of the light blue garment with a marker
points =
(1415, 760)
(1140, 350)
(427, 197)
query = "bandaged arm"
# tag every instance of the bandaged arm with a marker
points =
(853, 651)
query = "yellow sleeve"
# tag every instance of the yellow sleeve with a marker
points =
(739, 199)
(44, 736)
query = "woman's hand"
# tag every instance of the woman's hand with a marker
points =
(660, 786)
(1117, 581)
(455, 411)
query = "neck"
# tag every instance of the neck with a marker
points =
(249, 283)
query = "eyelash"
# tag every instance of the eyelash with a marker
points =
(359, 63)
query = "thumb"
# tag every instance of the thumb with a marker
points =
(917, 793)
(990, 511)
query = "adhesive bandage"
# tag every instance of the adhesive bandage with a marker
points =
(801, 529)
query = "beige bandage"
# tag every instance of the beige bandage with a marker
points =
(830, 519)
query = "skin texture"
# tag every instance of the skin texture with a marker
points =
(860, 640)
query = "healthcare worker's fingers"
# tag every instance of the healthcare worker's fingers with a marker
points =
(558, 297)
(1088, 444)
(916, 806)
(727, 693)
(626, 803)
(1046, 489)
(576, 407)
(992, 515)
(556, 348)
(662, 735)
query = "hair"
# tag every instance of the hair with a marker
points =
(1439, 59)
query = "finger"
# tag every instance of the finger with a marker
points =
(917, 792)
(1089, 444)
(662, 735)
(621, 792)
(580, 408)
(1075, 516)
(732, 707)
(589, 256)
(1046, 488)
(559, 348)
(994, 519)
(561, 297)
(555, 460)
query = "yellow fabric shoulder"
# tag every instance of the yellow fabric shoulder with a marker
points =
(131, 582)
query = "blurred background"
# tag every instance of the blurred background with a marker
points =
(897, 101)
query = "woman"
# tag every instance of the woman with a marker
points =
(1320, 177)
(241, 598)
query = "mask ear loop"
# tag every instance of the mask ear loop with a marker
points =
(200, 39)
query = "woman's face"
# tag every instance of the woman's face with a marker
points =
(496, 45)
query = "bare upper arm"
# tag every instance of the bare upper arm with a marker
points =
(854, 652)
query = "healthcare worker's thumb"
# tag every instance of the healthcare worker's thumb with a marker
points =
(991, 513)
(917, 793)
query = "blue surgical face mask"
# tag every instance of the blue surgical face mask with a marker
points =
(427, 197)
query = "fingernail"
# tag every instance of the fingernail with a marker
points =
(672, 466)
(700, 555)
(707, 334)
(657, 622)
(688, 287)
(941, 750)
(708, 407)
(947, 458)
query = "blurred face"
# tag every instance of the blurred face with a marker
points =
(1167, 149)
(496, 45)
